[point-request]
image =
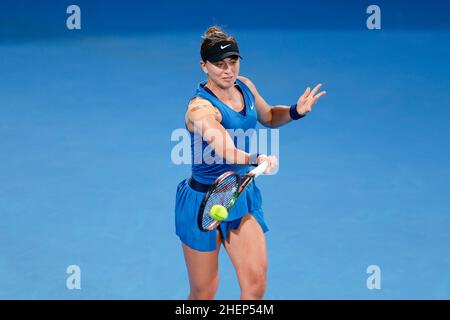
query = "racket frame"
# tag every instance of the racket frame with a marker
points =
(243, 181)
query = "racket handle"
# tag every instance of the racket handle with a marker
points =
(260, 169)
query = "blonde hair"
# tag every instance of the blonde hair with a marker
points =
(213, 35)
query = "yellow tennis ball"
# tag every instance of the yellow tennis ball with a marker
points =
(218, 212)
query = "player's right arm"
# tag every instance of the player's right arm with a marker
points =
(203, 118)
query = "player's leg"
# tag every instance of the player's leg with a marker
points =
(248, 253)
(203, 271)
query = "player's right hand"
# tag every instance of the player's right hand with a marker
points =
(273, 163)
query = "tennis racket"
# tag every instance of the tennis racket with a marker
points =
(225, 191)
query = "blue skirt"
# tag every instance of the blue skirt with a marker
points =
(187, 206)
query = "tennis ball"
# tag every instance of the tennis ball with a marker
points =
(218, 212)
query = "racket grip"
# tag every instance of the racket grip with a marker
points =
(260, 169)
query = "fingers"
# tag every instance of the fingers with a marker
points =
(273, 164)
(319, 95)
(261, 158)
(313, 101)
(306, 94)
(272, 160)
(310, 97)
(314, 91)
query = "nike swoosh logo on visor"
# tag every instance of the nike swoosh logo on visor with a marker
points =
(223, 47)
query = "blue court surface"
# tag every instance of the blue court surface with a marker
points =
(86, 176)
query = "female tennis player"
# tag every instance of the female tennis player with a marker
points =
(227, 101)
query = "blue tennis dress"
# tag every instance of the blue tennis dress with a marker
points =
(188, 200)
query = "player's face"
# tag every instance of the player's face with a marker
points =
(223, 72)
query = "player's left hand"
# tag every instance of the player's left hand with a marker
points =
(309, 99)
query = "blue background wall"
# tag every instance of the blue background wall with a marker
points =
(36, 19)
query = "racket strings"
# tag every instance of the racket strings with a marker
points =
(222, 194)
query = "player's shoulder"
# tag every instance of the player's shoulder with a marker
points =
(248, 83)
(199, 102)
(199, 108)
(245, 80)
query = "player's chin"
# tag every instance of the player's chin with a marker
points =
(228, 81)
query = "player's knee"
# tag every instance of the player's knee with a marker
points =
(205, 291)
(255, 285)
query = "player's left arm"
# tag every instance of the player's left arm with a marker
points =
(278, 115)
